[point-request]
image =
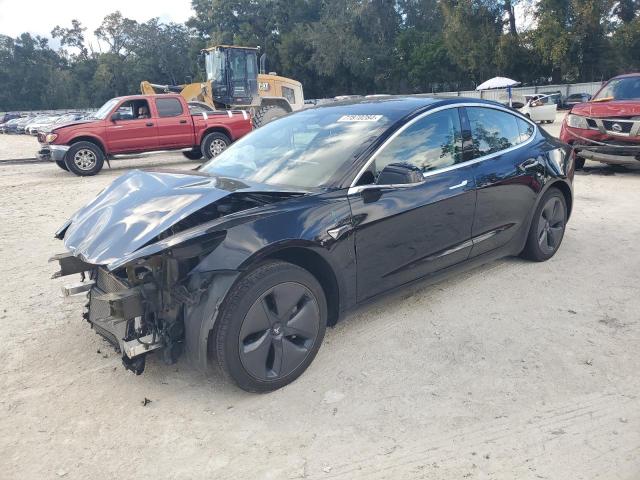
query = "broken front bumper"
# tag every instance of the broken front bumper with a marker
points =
(53, 153)
(602, 147)
(115, 309)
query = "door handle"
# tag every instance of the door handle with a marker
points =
(337, 232)
(529, 164)
(149, 124)
(460, 185)
(183, 121)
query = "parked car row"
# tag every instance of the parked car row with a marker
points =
(31, 124)
(563, 102)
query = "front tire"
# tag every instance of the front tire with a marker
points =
(62, 165)
(547, 227)
(270, 327)
(214, 144)
(84, 159)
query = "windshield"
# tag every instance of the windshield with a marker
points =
(627, 88)
(215, 64)
(303, 150)
(104, 110)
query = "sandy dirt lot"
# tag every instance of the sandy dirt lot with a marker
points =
(514, 370)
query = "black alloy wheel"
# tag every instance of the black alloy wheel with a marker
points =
(547, 229)
(278, 331)
(551, 225)
(270, 326)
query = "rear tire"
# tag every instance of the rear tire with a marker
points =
(270, 326)
(84, 159)
(547, 227)
(194, 154)
(268, 114)
(214, 144)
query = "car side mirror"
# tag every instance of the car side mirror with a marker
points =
(399, 173)
(116, 116)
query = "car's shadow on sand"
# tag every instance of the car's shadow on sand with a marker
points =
(387, 304)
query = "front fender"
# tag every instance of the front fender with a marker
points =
(302, 230)
(200, 319)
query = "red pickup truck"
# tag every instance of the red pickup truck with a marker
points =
(141, 123)
(607, 128)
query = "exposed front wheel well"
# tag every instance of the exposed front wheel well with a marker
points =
(320, 269)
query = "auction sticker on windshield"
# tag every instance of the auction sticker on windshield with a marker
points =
(360, 118)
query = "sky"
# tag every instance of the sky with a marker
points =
(40, 16)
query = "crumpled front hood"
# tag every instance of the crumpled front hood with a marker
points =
(613, 108)
(137, 207)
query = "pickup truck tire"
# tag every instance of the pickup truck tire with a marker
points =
(268, 114)
(62, 165)
(84, 159)
(214, 144)
(194, 154)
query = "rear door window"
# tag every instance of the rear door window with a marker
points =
(492, 130)
(525, 129)
(169, 107)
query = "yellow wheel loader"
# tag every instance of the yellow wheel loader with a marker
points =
(233, 82)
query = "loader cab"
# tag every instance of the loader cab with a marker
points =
(233, 73)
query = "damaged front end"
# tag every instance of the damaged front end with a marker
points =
(141, 272)
(138, 308)
(607, 133)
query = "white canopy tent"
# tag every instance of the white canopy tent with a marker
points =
(499, 82)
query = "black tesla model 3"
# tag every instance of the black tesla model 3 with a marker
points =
(246, 260)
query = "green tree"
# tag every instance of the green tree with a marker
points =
(472, 29)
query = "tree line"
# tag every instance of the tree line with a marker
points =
(333, 47)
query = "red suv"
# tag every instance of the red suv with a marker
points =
(607, 129)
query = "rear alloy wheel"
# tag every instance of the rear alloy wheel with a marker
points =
(271, 326)
(547, 228)
(214, 144)
(84, 159)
